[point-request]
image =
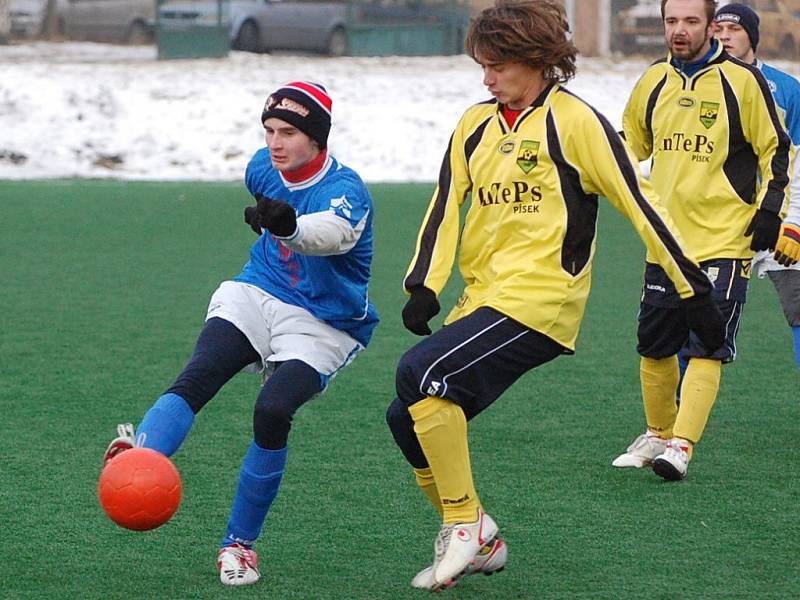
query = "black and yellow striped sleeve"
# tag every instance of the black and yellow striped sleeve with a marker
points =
(637, 118)
(437, 240)
(608, 167)
(763, 127)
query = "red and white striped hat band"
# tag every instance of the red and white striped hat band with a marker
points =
(304, 105)
(314, 91)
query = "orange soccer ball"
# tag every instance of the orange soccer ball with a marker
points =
(140, 489)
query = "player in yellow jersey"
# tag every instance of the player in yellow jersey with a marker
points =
(720, 160)
(534, 159)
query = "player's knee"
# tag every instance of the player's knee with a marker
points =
(408, 378)
(397, 417)
(272, 412)
(271, 424)
(402, 427)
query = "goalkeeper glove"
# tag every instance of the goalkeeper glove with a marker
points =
(705, 319)
(421, 307)
(764, 228)
(787, 248)
(276, 216)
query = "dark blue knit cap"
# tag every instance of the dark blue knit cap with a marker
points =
(742, 15)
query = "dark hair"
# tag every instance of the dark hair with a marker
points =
(531, 32)
(711, 9)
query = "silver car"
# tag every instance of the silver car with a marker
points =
(126, 21)
(264, 25)
(27, 17)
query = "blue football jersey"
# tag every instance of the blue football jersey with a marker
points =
(332, 288)
(786, 91)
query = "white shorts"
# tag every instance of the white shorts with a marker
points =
(280, 331)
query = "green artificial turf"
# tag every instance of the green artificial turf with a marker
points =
(104, 287)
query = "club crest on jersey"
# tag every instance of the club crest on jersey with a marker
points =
(708, 113)
(528, 156)
(506, 147)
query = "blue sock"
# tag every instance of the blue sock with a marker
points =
(796, 334)
(166, 424)
(259, 480)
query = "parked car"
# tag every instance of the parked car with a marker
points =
(125, 21)
(26, 17)
(264, 25)
(640, 29)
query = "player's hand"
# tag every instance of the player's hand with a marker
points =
(421, 307)
(764, 228)
(251, 218)
(787, 248)
(705, 319)
(277, 216)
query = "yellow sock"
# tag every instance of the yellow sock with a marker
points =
(427, 484)
(659, 378)
(441, 428)
(698, 394)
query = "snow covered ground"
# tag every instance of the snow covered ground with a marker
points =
(102, 111)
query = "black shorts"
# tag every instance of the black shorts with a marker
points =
(663, 330)
(472, 361)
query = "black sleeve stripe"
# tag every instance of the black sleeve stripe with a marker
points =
(741, 164)
(422, 264)
(694, 276)
(651, 106)
(581, 207)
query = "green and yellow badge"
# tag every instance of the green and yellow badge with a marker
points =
(527, 158)
(708, 113)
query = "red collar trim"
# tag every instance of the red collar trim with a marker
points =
(511, 115)
(308, 170)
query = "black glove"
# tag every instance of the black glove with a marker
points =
(276, 216)
(251, 218)
(420, 308)
(705, 319)
(764, 228)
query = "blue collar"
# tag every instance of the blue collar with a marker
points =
(689, 69)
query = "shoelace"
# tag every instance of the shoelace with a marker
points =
(443, 540)
(243, 555)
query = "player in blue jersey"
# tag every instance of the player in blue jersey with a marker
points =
(297, 313)
(737, 29)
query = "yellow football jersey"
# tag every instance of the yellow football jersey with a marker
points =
(719, 149)
(528, 240)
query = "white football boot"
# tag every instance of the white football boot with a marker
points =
(673, 463)
(489, 560)
(125, 440)
(456, 547)
(642, 451)
(237, 565)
